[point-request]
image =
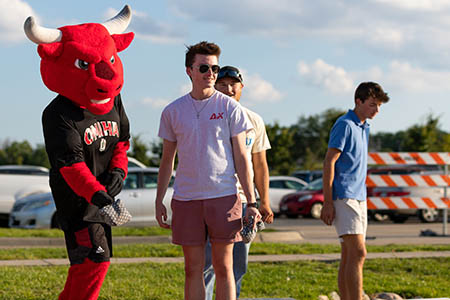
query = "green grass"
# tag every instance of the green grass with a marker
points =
(170, 250)
(409, 278)
(52, 233)
(306, 248)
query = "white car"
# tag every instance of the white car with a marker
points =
(17, 181)
(138, 195)
(280, 186)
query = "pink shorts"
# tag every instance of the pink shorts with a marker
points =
(193, 221)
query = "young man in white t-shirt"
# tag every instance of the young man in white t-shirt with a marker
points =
(230, 82)
(208, 130)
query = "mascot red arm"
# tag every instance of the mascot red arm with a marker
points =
(86, 134)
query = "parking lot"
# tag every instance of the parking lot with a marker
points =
(378, 233)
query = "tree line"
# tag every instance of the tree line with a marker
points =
(301, 146)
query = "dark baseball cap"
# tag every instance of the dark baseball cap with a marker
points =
(229, 71)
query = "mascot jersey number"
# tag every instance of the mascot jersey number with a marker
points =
(86, 134)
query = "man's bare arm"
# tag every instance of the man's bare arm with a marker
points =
(261, 171)
(164, 175)
(328, 212)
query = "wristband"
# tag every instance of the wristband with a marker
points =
(253, 204)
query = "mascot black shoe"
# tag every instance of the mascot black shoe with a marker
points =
(86, 134)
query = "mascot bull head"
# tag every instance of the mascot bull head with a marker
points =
(80, 62)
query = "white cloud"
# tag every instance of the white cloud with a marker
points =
(404, 76)
(155, 102)
(334, 79)
(257, 89)
(13, 14)
(399, 29)
(420, 5)
(147, 28)
(398, 75)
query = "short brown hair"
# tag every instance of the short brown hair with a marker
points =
(371, 89)
(204, 48)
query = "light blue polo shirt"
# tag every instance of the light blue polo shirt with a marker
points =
(351, 137)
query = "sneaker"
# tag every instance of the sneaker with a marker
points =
(248, 233)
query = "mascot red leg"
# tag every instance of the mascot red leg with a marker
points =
(86, 132)
(84, 281)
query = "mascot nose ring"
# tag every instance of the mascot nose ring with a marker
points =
(104, 71)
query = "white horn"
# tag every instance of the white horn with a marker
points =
(119, 23)
(39, 34)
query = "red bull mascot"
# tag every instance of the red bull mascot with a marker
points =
(86, 134)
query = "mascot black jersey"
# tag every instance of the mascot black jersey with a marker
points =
(73, 135)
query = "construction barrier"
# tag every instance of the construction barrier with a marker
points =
(413, 180)
(409, 158)
(408, 180)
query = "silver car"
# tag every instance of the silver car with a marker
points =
(138, 195)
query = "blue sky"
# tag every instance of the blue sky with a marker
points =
(298, 57)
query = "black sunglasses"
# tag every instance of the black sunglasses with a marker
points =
(229, 73)
(205, 68)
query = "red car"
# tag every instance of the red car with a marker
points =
(306, 202)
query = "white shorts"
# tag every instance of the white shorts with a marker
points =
(351, 217)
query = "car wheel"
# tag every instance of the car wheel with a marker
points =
(428, 215)
(54, 223)
(398, 218)
(316, 209)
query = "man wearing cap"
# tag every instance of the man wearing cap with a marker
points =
(230, 82)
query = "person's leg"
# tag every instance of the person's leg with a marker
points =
(208, 272)
(222, 259)
(240, 264)
(194, 260)
(354, 261)
(351, 226)
(341, 275)
(84, 281)
(89, 253)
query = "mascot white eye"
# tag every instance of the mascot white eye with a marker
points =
(81, 64)
(112, 60)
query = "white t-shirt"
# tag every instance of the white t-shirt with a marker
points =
(205, 156)
(255, 142)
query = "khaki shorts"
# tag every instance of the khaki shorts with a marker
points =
(351, 217)
(193, 221)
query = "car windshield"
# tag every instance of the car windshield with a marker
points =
(314, 185)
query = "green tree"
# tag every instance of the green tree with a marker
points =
(279, 158)
(426, 137)
(17, 153)
(311, 136)
(140, 150)
(39, 157)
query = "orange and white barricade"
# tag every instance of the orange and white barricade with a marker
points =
(413, 180)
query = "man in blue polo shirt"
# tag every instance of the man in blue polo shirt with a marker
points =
(344, 185)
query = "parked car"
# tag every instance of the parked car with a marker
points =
(138, 195)
(306, 202)
(23, 170)
(308, 176)
(280, 186)
(17, 181)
